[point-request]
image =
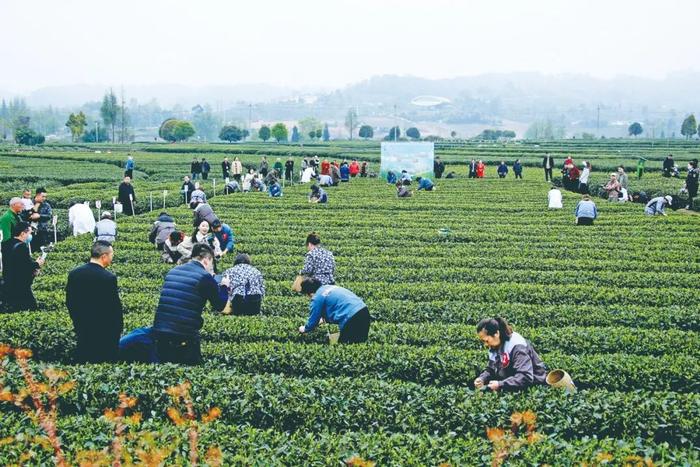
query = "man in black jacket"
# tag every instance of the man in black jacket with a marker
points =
(668, 166)
(196, 168)
(438, 167)
(19, 269)
(472, 169)
(127, 196)
(178, 319)
(92, 298)
(548, 165)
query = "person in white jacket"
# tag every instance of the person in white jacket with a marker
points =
(554, 198)
(583, 179)
(81, 218)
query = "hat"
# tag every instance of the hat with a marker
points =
(669, 199)
(106, 215)
(216, 223)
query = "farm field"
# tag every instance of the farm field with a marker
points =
(616, 305)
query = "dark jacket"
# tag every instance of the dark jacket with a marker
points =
(438, 168)
(472, 168)
(551, 162)
(516, 365)
(668, 164)
(206, 168)
(186, 290)
(188, 193)
(196, 167)
(92, 298)
(18, 269)
(45, 217)
(203, 212)
(161, 230)
(691, 182)
(126, 189)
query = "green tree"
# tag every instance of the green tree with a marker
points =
(319, 133)
(635, 129)
(279, 132)
(295, 134)
(109, 110)
(4, 118)
(394, 134)
(326, 133)
(89, 136)
(351, 121)
(183, 130)
(206, 122)
(689, 127)
(413, 133)
(230, 133)
(264, 133)
(312, 134)
(453, 134)
(308, 124)
(28, 137)
(76, 124)
(366, 132)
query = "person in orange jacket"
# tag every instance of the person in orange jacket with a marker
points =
(354, 168)
(325, 167)
(480, 169)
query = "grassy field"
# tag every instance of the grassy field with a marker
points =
(616, 305)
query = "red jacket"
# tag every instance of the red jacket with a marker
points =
(354, 168)
(480, 167)
(325, 168)
(574, 173)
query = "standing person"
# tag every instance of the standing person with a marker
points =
(106, 228)
(548, 165)
(354, 168)
(425, 184)
(315, 161)
(668, 165)
(289, 169)
(480, 169)
(178, 318)
(318, 195)
(344, 172)
(92, 299)
(278, 167)
(513, 362)
(554, 198)
(237, 169)
(225, 168)
(206, 168)
(318, 262)
(246, 287)
(325, 167)
(81, 218)
(195, 168)
(41, 217)
(438, 167)
(583, 179)
(129, 172)
(613, 188)
(336, 305)
(263, 167)
(304, 165)
(657, 206)
(518, 169)
(585, 211)
(161, 230)
(569, 160)
(573, 174)
(10, 218)
(502, 169)
(640, 167)
(127, 196)
(624, 182)
(187, 189)
(691, 182)
(19, 269)
(472, 169)
(224, 234)
(363, 169)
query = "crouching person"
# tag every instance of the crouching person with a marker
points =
(336, 305)
(178, 319)
(513, 362)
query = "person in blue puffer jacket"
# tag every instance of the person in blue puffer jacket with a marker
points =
(425, 184)
(178, 319)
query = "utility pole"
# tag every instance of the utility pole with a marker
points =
(597, 124)
(97, 131)
(123, 132)
(396, 125)
(250, 119)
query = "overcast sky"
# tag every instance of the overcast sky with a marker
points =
(308, 43)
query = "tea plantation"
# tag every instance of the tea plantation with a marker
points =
(616, 305)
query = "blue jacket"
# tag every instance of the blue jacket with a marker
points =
(425, 184)
(344, 172)
(185, 292)
(275, 190)
(334, 304)
(391, 177)
(226, 238)
(586, 209)
(129, 164)
(502, 169)
(517, 167)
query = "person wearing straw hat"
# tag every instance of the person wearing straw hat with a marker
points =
(513, 362)
(657, 206)
(336, 305)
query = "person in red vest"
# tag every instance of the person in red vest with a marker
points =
(568, 161)
(354, 168)
(325, 167)
(480, 169)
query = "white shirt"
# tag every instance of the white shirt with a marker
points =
(325, 180)
(554, 197)
(81, 218)
(27, 204)
(306, 176)
(584, 176)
